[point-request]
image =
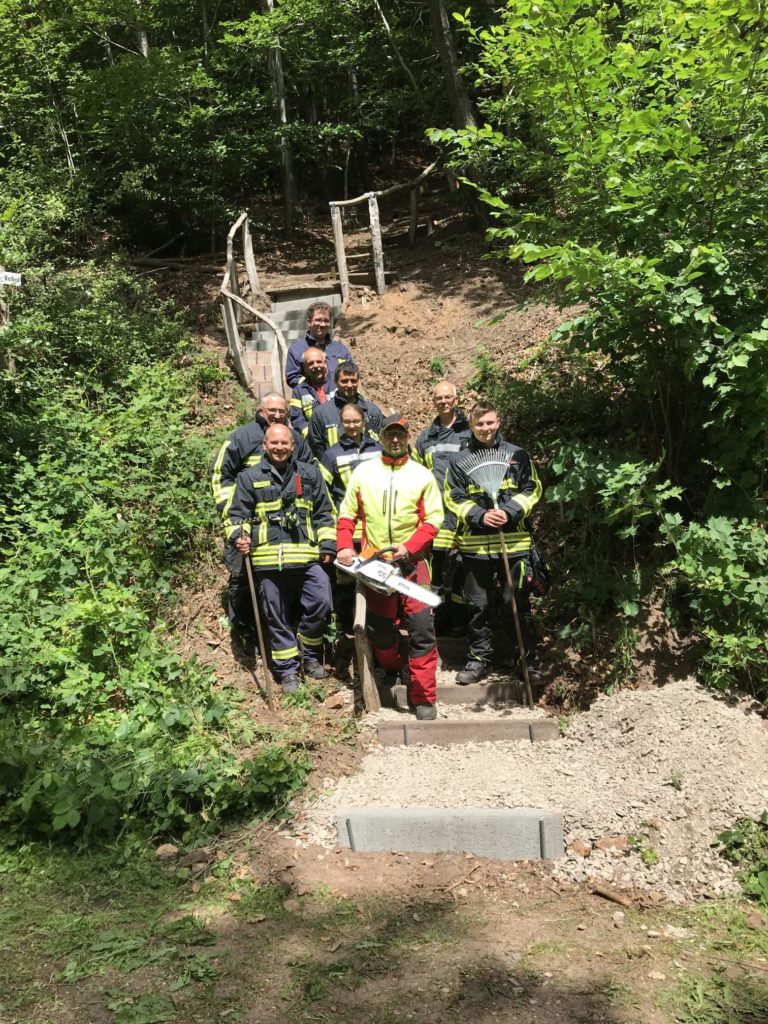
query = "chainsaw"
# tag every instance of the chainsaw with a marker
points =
(386, 577)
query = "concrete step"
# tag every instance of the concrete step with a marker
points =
(496, 691)
(466, 730)
(367, 277)
(295, 295)
(518, 833)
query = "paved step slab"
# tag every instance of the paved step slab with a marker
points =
(494, 692)
(296, 295)
(466, 730)
(517, 833)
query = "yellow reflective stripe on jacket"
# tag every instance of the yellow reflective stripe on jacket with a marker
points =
(445, 540)
(221, 492)
(277, 556)
(490, 543)
(527, 501)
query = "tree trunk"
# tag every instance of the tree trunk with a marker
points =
(141, 34)
(462, 111)
(289, 180)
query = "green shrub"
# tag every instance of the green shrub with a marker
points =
(720, 582)
(746, 844)
(103, 726)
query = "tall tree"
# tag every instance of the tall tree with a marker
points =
(462, 111)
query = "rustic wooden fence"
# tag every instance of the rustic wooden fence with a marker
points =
(372, 198)
(233, 306)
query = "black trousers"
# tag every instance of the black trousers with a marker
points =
(480, 577)
(239, 604)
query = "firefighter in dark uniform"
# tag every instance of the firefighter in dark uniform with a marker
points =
(312, 390)
(319, 320)
(243, 448)
(325, 425)
(447, 435)
(353, 447)
(281, 518)
(478, 536)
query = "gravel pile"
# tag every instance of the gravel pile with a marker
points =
(652, 776)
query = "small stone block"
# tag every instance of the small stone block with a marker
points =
(391, 735)
(519, 833)
(541, 731)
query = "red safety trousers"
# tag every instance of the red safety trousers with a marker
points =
(388, 612)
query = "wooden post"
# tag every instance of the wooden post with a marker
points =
(234, 284)
(341, 256)
(414, 216)
(233, 339)
(250, 260)
(371, 700)
(378, 250)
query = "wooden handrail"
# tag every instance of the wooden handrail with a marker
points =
(387, 191)
(279, 336)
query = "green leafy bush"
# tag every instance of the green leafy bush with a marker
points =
(623, 163)
(746, 844)
(102, 725)
(720, 578)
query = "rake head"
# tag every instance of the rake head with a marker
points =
(487, 469)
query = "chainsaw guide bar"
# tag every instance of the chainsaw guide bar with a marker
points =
(386, 578)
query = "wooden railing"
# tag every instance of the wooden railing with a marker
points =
(233, 302)
(375, 224)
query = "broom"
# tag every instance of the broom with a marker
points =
(488, 469)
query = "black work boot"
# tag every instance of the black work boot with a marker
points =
(289, 684)
(426, 712)
(472, 672)
(314, 670)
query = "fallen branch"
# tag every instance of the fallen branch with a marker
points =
(459, 881)
(612, 895)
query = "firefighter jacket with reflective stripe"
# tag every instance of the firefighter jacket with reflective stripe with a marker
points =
(335, 352)
(286, 512)
(304, 398)
(519, 492)
(338, 463)
(243, 448)
(325, 425)
(435, 447)
(396, 500)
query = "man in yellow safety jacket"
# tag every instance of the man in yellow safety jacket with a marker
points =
(397, 501)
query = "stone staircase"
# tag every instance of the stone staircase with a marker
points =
(289, 312)
(519, 833)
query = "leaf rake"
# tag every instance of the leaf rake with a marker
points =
(488, 469)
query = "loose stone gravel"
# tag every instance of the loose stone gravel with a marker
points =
(668, 768)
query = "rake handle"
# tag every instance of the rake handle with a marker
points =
(515, 615)
(262, 649)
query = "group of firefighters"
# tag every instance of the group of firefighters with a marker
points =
(325, 476)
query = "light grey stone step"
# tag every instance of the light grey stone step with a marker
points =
(492, 692)
(444, 733)
(519, 833)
